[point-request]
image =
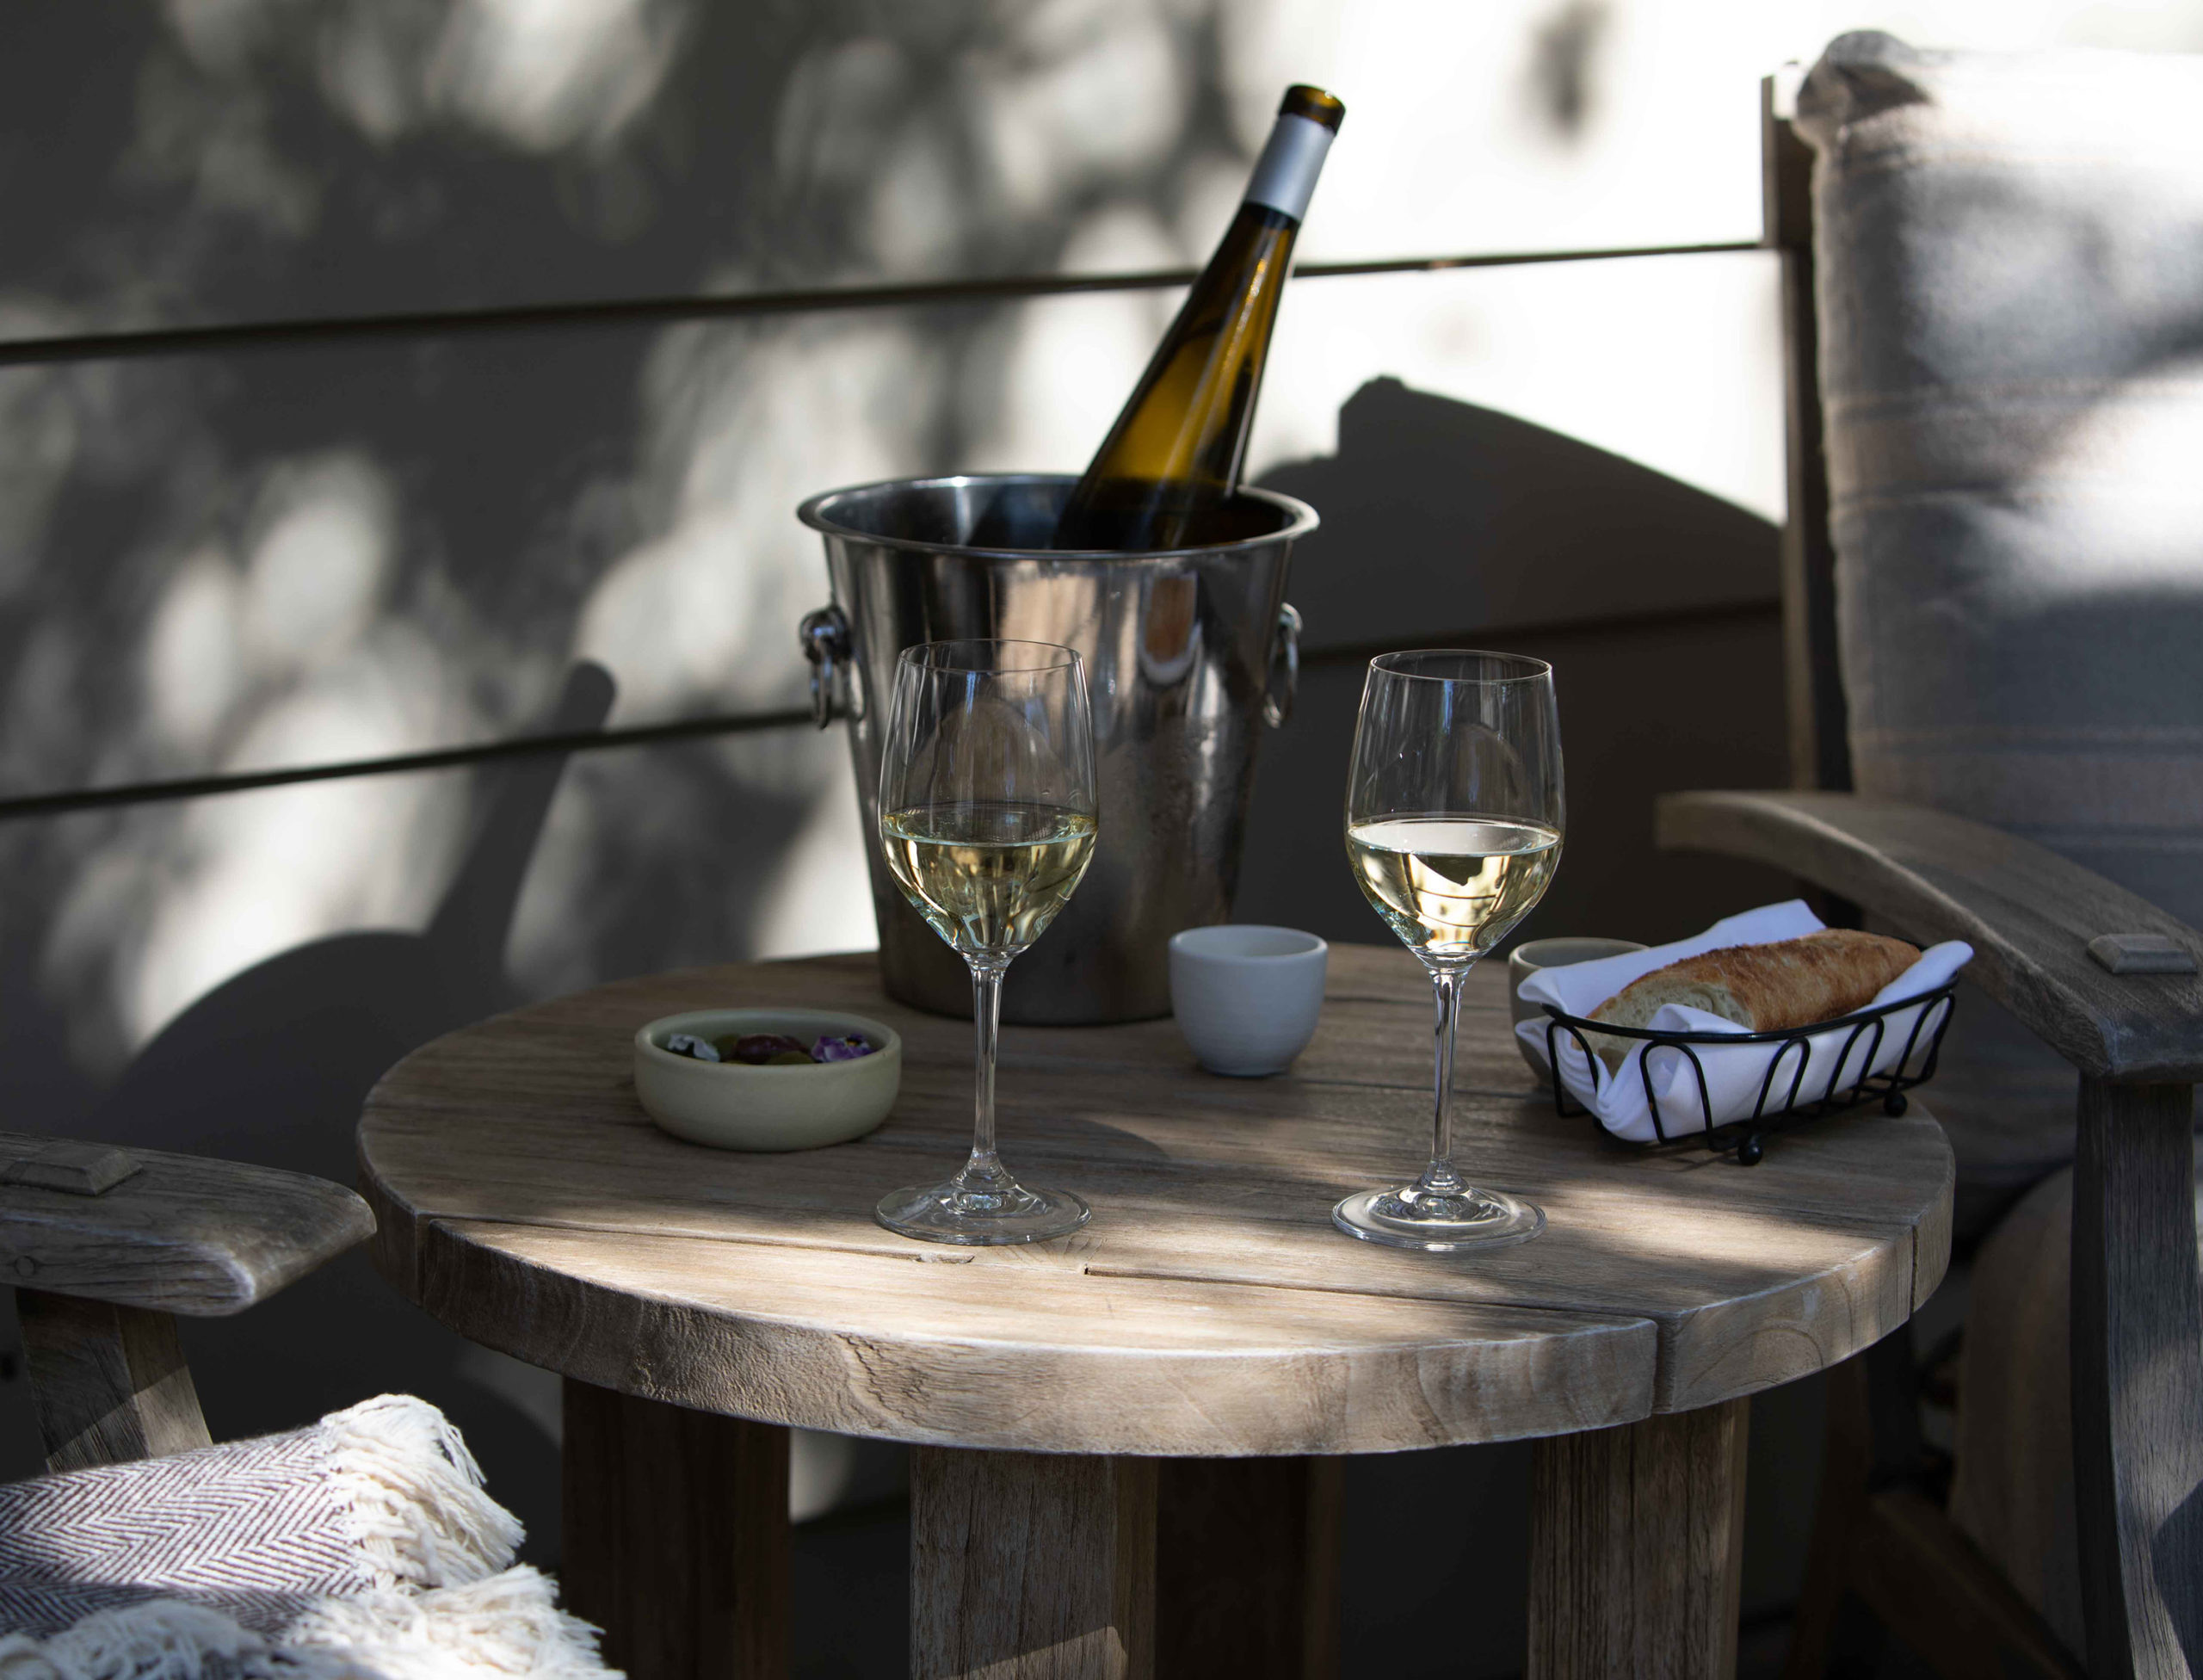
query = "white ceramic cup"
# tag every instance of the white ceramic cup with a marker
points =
(1247, 997)
(1533, 955)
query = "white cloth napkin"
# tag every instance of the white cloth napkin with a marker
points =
(1733, 1074)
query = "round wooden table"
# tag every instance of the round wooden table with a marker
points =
(1204, 1347)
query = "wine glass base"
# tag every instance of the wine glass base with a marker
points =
(1404, 1217)
(950, 1212)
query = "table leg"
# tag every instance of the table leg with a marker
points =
(1636, 1548)
(1247, 1568)
(675, 1536)
(1031, 1565)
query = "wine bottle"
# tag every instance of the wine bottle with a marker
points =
(1171, 462)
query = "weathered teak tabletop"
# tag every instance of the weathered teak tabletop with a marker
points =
(1208, 1312)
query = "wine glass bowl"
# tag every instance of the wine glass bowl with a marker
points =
(987, 819)
(1453, 827)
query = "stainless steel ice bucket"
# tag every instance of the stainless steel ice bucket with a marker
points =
(1186, 652)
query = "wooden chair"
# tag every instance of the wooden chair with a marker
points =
(2047, 934)
(107, 1247)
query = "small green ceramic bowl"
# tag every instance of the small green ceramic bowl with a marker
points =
(733, 1105)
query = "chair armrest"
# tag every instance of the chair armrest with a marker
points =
(2028, 913)
(171, 1234)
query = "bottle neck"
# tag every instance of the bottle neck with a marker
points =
(1285, 174)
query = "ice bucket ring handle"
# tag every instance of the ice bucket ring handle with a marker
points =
(1285, 669)
(825, 638)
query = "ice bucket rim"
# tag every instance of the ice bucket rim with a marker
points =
(1300, 520)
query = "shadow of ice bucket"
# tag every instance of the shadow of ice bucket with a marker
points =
(1187, 651)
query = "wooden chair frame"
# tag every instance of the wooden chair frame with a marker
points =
(2136, 1038)
(109, 1245)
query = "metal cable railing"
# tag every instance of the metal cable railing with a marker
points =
(249, 336)
(437, 758)
(654, 311)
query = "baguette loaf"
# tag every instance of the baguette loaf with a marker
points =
(1765, 988)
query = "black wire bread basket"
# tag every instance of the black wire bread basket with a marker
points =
(1784, 1097)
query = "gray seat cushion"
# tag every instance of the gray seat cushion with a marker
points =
(2011, 276)
(2011, 252)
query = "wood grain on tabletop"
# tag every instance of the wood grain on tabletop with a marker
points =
(526, 1200)
(182, 1233)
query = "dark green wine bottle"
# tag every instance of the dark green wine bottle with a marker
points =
(1171, 462)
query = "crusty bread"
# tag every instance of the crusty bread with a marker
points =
(1765, 988)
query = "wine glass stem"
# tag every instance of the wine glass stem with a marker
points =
(1439, 1177)
(983, 1171)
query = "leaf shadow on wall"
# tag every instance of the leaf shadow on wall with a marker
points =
(499, 503)
(272, 1067)
(256, 160)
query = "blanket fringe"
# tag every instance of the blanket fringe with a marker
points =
(160, 1640)
(416, 1495)
(506, 1628)
(509, 1625)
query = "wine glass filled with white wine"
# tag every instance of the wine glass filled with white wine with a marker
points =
(1453, 824)
(987, 817)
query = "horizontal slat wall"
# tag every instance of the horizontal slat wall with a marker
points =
(271, 562)
(235, 564)
(239, 161)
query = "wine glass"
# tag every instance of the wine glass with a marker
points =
(987, 816)
(1454, 825)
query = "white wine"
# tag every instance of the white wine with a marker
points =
(988, 875)
(1452, 886)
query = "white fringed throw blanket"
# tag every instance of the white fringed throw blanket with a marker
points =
(360, 1547)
